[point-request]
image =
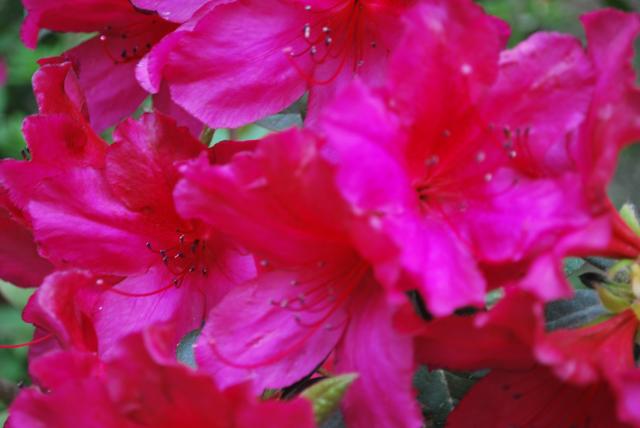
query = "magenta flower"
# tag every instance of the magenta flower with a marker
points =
(106, 63)
(318, 291)
(569, 377)
(227, 76)
(111, 211)
(502, 164)
(138, 387)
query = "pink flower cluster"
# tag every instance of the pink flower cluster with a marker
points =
(434, 163)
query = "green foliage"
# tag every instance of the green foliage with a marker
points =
(439, 391)
(184, 352)
(583, 308)
(326, 395)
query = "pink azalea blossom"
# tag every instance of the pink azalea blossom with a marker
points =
(318, 290)
(137, 387)
(110, 211)
(239, 61)
(568, 377)
(106, 63)
(478, 160)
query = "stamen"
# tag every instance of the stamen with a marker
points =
(30, 343)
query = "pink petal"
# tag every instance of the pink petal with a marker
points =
(544, 88)
(610, 36)
(583, 355)
(140, 167)
(111, 88)
(382, 359)
(176, 11)
(120, 315)
(534, 398)
(163, 103)
(227, 76)
(500, 338)
(273, 343)
(438, 56)
(87, 16)
(77, 220)
(65, 306)
(20, 263)
(278, 201)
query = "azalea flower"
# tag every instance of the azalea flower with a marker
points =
(318, 291)
(138, 387)
(482, 161)
(567, 377)
(111, 211)
(105, 63)
(238, 61)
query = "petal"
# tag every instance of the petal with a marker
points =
(382, 359)
(227, 80)
(500, 338)
(65, 306)
(163, 103)
(87, 16)
(20, 263)
(629, 395)
(582, 355)
(176, 11)
(77, 220)
(110, 86)
(534, 398)
(276, 341)
(140, 165)
(279, 201)
(544, 88)
(440, 65)
(152, 299)
(613, 121)
(365, 138)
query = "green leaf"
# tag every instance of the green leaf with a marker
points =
(582, 309)
(335, 420)
(16, 296)
(572, 268)
(440, 391)
(629, 214)
(326, 395)
(184, 352)
(572, 265)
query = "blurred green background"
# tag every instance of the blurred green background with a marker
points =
(16, 101)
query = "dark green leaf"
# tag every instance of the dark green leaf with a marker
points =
(440, 391)
(582, 309)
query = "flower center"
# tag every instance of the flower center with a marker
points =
(185, 257)
(127, 43)
(331, 40)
